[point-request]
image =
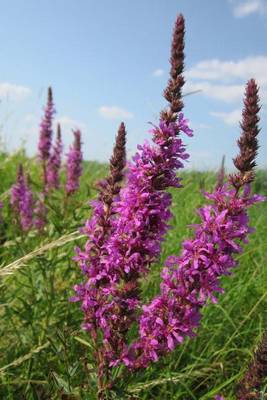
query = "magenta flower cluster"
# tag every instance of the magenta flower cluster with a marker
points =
(143, 206)
(109, 297)
(74, 164)
(135, 239)
(21, 200)
(190, 280)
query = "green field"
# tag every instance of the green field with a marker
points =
(43, 352)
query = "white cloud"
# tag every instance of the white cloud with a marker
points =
(114, 112)
(225, 80)
(230, 118)
(158, 72)
(250, 67)
(244, 8)
(13, 92)
(226, 93)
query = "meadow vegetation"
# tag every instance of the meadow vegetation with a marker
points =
(45, 354)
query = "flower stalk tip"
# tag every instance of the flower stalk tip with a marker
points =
(110, 187)
(173, 91)
(248, 145)
(45, 139)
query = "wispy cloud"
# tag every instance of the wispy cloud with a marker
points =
(243, 8)
(230, 118)
(158, 72)
(114, 112)
(14, 92)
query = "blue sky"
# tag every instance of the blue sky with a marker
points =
(107, 61)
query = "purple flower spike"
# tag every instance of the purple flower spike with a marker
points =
(110, 295)
(190, 280)
(45, 139)
(22, 201)
(248, 144)
(74, 164)
(54, 163)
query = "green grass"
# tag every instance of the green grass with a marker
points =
(43, 352)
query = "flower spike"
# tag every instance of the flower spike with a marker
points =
(45, 138)
(173, 91)
(248, 142)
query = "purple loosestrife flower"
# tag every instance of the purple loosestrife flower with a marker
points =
(74, 164)
(190, 280)
(45, 138)
(98, 230)
(144, 212)
(22, 201)
(143, 209)
(54, 162)
(143, 206)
